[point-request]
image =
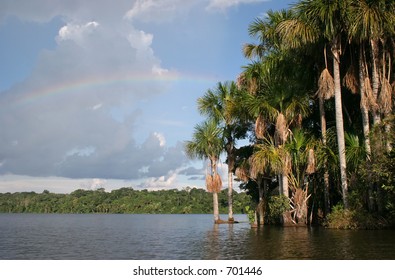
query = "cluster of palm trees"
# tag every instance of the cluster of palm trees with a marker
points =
(303, 146)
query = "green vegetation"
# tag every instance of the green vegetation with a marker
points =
(316, 106)
(124, 200)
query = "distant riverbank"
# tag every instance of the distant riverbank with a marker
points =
(124, 200)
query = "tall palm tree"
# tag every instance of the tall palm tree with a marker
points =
(371, 23)
(222, 107)
(277, 105)
(207, 143)
(316, 19)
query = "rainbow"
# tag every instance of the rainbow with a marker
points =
(109, 81)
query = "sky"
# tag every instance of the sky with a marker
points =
(101, 93)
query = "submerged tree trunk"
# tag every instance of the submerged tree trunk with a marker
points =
(261, 208)
(215, 208)
(230, 197)
(215, 192)
(339, 120)
(231, 163)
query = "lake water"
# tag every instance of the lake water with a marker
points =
(178, 237)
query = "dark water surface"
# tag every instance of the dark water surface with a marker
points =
(177, 237)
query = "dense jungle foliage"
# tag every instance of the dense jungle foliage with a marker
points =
(124, 200)
(316, 106)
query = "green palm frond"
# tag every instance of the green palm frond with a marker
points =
(206, 143)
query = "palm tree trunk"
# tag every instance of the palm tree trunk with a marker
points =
(364, 104)
(339, 120)
(215, 194)
(365, 122)
(261, 205)
(326, 173)
(215, 208)
(375, 80)
(284, 180)
(230, 196)
(231, 164)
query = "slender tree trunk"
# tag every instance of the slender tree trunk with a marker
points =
(339, 120)
(326, 173)
(215, 208)
(365, 122)
(375, 80)
(284, 180)
(261, 205)
(364, 103)
(230, 197)
(231, 163)
(215, 194)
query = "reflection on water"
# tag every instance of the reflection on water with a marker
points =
(52, 236)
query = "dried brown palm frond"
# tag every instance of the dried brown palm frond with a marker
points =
(385, 97)
(326, 85)
(260, 127)
(281, 128)
(311, 166)
(242, 173)
(254, 172)
(369, 100)
(240, 81)
(299, 120)
(209, 182)
(287, 163)
(217, 183)
(350, 80)
(250, 84)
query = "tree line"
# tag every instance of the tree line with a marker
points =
(315, 104)
(120, 201)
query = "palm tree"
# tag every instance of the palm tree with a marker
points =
(207, 143)
(316, 19)
(372, 22)
(275, 98)
(222, 107)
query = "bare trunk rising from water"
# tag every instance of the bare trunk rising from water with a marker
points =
(215, 194)
(339, 120)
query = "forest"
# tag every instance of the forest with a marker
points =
(119, 201)
(315, 106)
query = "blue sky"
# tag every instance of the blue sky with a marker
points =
(100, 93)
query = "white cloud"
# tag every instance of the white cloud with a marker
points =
(140, 40)
(159, 10)
(76, 31)
(161, 138)
(79, 113)
(226, 4)
(163, 182)
(52, 125)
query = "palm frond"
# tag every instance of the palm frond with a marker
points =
(326, 85)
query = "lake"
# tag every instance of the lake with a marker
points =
(179, 237)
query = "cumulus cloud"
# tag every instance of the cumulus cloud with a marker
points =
(77, 114)
(159, 10)
(168, 181)
(68, 118)
(225, 4)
